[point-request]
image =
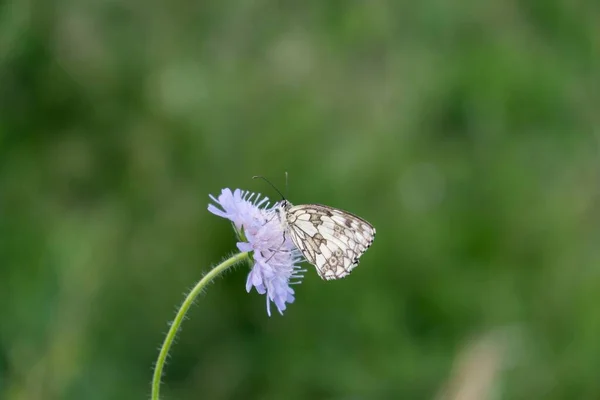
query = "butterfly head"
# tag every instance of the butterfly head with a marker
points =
(283, 207)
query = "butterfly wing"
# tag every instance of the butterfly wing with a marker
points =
(332, 240)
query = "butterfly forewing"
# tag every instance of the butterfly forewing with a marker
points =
(332, 240)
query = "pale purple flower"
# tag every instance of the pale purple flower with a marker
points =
(261, 233)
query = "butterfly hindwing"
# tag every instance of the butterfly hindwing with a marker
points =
(332, 240)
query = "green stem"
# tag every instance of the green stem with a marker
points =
(187, 303)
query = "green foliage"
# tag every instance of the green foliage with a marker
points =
(467, 133)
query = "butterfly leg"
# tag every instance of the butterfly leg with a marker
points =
(279, 249)
(275, 251)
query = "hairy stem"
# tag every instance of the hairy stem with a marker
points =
(187, 303)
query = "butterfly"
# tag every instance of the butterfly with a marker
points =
(332, 240)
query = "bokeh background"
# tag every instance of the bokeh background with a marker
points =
(467, 132)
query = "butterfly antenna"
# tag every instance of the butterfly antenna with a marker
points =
(286, 183)
(269, 182)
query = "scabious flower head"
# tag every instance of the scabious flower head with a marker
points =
(262, 234)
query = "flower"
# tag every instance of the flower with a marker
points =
(263, 235)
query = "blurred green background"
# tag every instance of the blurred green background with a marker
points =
(466, 132)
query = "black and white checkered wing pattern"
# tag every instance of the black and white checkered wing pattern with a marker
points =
(332, 240)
